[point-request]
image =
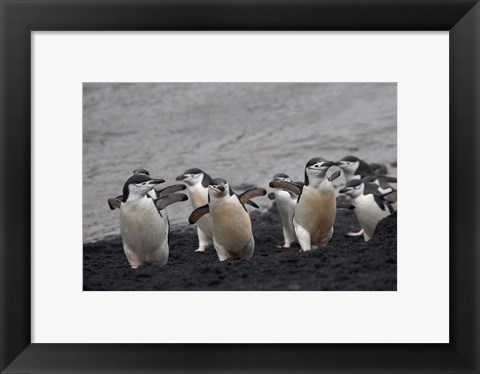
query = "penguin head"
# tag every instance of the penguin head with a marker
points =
(353, 188)
(219, 188)
(281, 177)
(194, 176)
(141, 171)
(138, 185)
(316, 168)
(349, 164)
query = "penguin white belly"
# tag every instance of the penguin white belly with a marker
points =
(368, 214)
(286, 209)
(232, 230)
(315, 214)
(199, 197)
(144, 233)
(205, 224)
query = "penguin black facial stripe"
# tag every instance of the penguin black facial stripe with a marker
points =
(154, 182)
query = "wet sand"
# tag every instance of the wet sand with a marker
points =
(346, 264)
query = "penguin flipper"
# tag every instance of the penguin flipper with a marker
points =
(370, 188)
(386, 200)
(250, 194)
(164, 201)
(251, 203)
(378, 169)
(334, 176)
(388, 179)
(291, 187)
(115, 202)
(391, 196)
(198, 213)
(170, 189)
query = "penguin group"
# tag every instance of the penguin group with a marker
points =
(307, 208)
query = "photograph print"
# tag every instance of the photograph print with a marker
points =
(240, 186)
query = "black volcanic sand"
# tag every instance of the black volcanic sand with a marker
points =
(347, 263)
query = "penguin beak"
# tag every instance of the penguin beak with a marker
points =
(328, 164)
(180, 177)
(343, 190)
(338, 163)
(156, 181)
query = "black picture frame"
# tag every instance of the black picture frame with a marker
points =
(20, 17)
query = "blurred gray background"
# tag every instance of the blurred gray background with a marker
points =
(243, 132)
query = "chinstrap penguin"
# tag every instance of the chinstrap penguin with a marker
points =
(315, 210)
(197, 182)
(355, 168)
(286, 202)
(231, 224)
(369, 207)
(144, 224)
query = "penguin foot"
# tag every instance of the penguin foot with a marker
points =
(286, 245)
(134, 264)
(358, 233)
(200, 249)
